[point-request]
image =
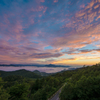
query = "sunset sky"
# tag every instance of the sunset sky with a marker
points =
(65, 32)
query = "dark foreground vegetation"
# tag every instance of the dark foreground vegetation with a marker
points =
(81, 84)
(84, 84)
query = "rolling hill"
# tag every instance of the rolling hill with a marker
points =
(22, 72)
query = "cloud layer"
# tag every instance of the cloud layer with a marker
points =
(54, 31)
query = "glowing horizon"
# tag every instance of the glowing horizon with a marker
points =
(63, 32)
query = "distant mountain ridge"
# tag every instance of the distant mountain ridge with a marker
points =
(19, 65)
(49, 65)
(30, 74)
(24, 73)
(52, 65)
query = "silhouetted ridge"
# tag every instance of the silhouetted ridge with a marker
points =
(22, 72)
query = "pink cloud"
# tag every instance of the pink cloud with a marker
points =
(25, 34)
(55, 1)
(42, 0)
(82, 6)
(37, 8)
(77, 39)
(83, 30)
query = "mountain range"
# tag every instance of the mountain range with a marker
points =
(38, 65)
(24, 73)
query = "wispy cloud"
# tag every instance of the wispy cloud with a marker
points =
(68, 27)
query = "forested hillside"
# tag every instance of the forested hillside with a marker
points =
(22, 72)
(81, 84)
(84, 84)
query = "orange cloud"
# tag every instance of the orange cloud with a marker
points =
(85, 32)
(64, 61)
(97, 18)
(95, 7)
(91, 4)
(78, 60)
(98, 45)
(80, 14)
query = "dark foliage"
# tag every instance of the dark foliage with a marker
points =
(82, 84)
(21, 72)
